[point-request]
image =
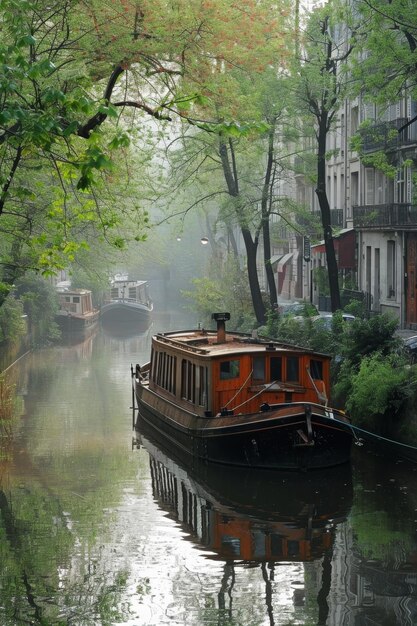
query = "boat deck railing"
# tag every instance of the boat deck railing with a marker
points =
(132, 300)
(181, 344)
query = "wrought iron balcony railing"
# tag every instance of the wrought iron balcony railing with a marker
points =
(385, 216)
(385, 136)
(336, 217)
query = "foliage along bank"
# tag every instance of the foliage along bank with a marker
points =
(373, 377)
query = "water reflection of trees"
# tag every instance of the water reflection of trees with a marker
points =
(52, 571)
(56, 498)
(383, 559)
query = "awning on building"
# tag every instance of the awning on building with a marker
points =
(284, 260)
(344, 245)
(275, 258)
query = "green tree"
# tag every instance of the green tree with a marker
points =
(386, 55)
(320, 88)
(68, 73)
(234, 177)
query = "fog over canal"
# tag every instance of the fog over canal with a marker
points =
(99, 526)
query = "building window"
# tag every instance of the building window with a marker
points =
(354, 119)
(391, 270)
(400, 190)
(369, 186)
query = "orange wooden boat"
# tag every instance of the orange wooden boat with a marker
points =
(234, 399)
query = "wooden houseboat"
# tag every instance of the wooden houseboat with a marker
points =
(128, 303)
(229, 398)
(76, 314)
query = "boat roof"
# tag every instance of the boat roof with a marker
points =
(205, 342)
(127, 281)
(73, 292)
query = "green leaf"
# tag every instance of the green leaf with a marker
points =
(70, 129)
(26, 40)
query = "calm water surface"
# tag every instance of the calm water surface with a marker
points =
(100, 526)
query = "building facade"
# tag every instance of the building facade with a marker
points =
(374, 210)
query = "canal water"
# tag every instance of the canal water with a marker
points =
(100, 526)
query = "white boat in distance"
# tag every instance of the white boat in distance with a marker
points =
(128, 302)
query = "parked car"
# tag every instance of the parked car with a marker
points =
(298, 309)
(326, 319)
(411, 347)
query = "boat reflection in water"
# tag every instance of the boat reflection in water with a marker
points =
(255, 517)
(127, 329)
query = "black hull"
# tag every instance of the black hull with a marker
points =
(274, 444)
(77, 326)
(126, 314)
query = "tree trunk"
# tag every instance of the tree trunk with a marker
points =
(251, 244)
(325, 216)
(273, 297)
(255, 290)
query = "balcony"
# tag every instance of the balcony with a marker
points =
(336, 217)
(385, 136)
(385, 216)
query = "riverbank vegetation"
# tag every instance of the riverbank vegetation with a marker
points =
(7, 413)
(373, 377)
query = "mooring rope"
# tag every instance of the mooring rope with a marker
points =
(253, 397)
(240, 389)
(322, 396)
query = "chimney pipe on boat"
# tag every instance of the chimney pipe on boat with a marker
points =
(220, 319)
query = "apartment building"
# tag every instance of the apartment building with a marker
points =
(374, 212)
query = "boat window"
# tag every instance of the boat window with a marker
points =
(258, 542)
(193, 382)
(276, 545)
(188, 380)
(293, 547)
(275, 366)
(154, 361)
(293, 369)
(231, 545)
(201, 385)
(258, 365)
(316, 369)
(159, 370)
(163, 370)
(229, 369)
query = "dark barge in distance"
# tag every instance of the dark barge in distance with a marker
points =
(225, 397)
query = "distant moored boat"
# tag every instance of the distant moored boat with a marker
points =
(76, 314)
(128, 303)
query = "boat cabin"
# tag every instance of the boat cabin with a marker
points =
(130, 290)
(75, 302)
(211, 373)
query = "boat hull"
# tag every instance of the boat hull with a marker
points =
(295, 436)
(80, 325)
(126, 313)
